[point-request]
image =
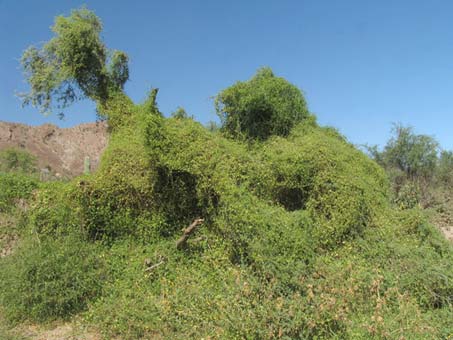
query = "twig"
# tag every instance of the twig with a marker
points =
(154, 266)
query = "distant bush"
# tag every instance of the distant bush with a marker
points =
(13, 187)
(407, 156)
(49, 279)
(263, 106)
(415, 155)
(419, 171)
(17, 160)
(408, 196)
(180, 113)
(445, 168)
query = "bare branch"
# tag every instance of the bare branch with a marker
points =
(181, 243)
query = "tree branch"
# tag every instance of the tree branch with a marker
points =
(181, 243)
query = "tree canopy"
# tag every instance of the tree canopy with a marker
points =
(74, 64)
(263, 106)
(415, 155)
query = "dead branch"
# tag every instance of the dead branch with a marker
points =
(150, 266)
(154, 266)
(181, 243)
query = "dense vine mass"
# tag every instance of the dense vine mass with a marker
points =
(299, 237)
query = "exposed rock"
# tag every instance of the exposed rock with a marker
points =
(63, 150)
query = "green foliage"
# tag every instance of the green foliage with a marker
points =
(283, 219)
(17, 160)
(49, 279)
(212, 126)
(312, 170)
(74, 64)
(51, 212)
(419, 173)
(415, 155)
(119, 69)
(378, 286)
(180, 113)
(408, 196)
(298, 241)
(6, 333)
(263, 106)
(14, 187)
(445, 167)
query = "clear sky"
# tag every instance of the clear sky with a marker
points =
(362, 64)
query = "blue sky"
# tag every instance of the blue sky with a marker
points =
(361, 64)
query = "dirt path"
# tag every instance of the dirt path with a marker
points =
(65, 331)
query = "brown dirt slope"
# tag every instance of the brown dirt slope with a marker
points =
(62, 149)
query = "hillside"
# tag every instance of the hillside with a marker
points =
(61, 149)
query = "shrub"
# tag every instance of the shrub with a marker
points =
(16, 160)
(410, 154)
(445, 168)
(14, 187)
(51, 212)
(263, 106)
(415, 155)
(298, 239)
(311, 170)
(408, 196)
(49, 279)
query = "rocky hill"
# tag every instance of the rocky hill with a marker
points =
(61, 149)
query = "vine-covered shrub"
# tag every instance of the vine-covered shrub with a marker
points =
(263, 106)
(341, 189)
(299, 239)
(271, 209)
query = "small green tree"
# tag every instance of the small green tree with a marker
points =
(411, 162)
(73, 65)
(415, 155)
(263, 106)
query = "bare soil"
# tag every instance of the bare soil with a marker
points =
(66, 331)
(56, 331)
(448, 232)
